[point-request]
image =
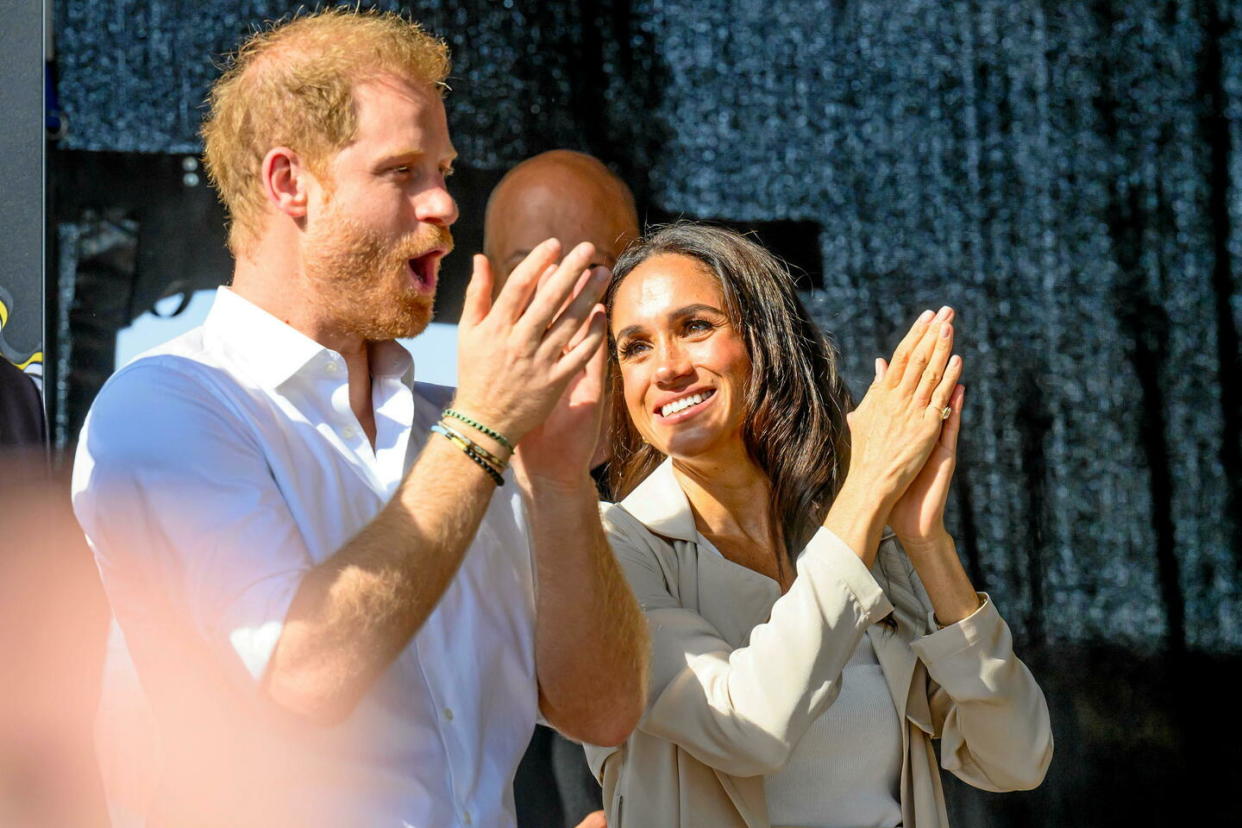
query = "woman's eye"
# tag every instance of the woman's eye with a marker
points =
(698, 326)
(631, 348)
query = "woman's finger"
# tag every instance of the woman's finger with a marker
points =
(912, 338)
(933, 372)
(944, 389)
(922, 353)
(881, 368)
(953, 425)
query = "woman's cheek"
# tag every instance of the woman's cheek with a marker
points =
(632, 388)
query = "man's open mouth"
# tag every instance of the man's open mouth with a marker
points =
(424, 268)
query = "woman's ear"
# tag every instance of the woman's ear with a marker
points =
(285, 179)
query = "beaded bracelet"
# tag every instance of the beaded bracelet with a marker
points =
(495, 435)
(467, 448)
(498, 464)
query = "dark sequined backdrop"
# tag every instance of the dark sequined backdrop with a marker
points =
(1063, 173)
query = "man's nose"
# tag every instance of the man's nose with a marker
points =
(436, 206)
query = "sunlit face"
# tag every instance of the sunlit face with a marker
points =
(378, 227)
(684, 367)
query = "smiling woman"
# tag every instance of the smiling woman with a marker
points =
(812, 628)
(706, 281)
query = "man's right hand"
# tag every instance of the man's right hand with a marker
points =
(514, 359)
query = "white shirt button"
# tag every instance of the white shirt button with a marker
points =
(332, 367)
(349, 432)
(448, 713)
(465, 817)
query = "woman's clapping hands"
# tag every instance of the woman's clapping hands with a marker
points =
(903, 448)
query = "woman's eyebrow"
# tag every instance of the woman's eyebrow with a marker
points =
(673, 316)
(627, 331)
(691, 310)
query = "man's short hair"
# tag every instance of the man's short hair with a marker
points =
(292, 85)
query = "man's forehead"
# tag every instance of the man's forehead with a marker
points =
(400, 117)
(370, 85)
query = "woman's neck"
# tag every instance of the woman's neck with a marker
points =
(730, 496)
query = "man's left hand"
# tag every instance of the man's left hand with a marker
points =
(559, 450)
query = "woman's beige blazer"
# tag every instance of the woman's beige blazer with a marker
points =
(734, 684)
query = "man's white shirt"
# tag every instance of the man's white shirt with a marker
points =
(211, 474)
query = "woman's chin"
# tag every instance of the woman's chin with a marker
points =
(688, 444)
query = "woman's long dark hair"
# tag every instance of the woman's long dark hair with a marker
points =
(795, 427)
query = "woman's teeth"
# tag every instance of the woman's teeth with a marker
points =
(684, 403)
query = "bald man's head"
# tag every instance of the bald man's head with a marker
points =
(563, 195)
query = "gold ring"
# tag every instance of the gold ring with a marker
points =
(945, 412)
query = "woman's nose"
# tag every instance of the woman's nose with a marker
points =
(673, 365)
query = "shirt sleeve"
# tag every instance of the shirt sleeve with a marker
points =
(987, 709)
(189, 528)
(742, 710)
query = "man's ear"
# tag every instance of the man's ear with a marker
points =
(286, 181)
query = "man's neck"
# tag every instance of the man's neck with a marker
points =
(277, 285)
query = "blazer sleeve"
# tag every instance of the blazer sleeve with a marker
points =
(990, 715)
(742, 710)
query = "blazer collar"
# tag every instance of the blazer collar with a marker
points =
(659, 504)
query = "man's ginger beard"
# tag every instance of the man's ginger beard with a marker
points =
(362, 281)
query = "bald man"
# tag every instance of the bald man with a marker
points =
(572, 197)
(559, 194)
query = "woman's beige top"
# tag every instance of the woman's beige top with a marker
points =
(737, 676)
(845, 771)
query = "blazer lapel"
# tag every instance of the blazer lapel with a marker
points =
(659, 504)
(906, 677)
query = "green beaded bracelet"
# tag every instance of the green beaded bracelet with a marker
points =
(490, 432)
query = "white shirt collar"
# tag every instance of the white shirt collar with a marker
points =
(272, 352)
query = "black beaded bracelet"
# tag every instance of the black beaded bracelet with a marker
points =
(495, 462)
(469, 451)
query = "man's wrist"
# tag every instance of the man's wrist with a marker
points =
(578, 484)
(487, 430)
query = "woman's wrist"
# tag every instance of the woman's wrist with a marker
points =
(857, 517)
(935, 540)
(934, 557)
